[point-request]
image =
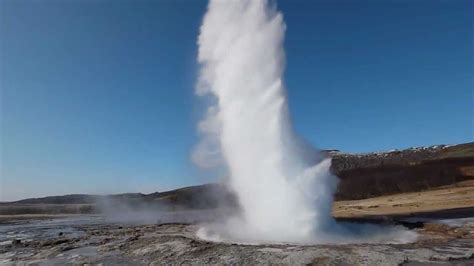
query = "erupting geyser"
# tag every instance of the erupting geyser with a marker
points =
(283, 187)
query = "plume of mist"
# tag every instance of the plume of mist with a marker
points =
(185, 205)
(129, 210)
(283, 186)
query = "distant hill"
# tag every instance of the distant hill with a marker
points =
(77, 198)
(348, 161)
(361, 176)
(202, 196)
(66, 199)
(415, 169)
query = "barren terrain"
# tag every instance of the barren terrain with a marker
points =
(94, 241)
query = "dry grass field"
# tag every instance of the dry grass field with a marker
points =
(459, 196)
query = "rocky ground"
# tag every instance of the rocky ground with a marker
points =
(93, 241)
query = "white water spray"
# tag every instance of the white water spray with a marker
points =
(283, 187)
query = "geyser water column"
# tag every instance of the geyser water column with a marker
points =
(284, 189)
(283, 193)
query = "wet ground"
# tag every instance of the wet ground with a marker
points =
(93, 239)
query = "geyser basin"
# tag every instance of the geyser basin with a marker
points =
(283, 186)
(342, 233)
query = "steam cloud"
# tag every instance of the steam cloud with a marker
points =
(283, 186)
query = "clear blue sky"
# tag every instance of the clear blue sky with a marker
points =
(97, 96)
